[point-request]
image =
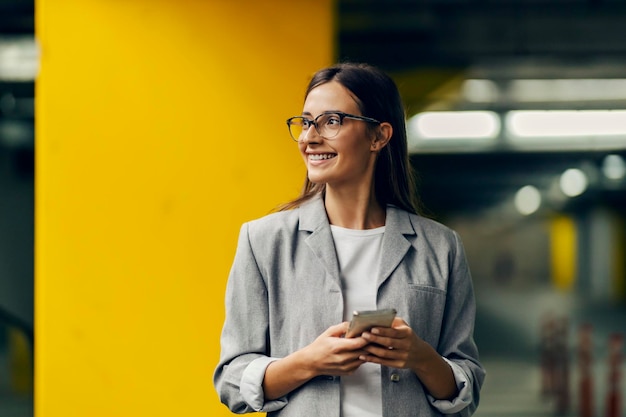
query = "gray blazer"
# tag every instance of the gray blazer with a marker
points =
(284, 290)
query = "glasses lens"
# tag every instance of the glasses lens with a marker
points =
(329, 124)
(296, 126)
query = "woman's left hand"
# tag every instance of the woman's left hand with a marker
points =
(396, 346)
(399, 347)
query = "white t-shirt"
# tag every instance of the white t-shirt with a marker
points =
(358, 252)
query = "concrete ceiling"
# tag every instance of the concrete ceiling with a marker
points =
(17, 17)
(405, 34)
(431, 46)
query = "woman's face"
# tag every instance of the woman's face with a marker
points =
(346, 159)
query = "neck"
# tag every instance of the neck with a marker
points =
(353, 209)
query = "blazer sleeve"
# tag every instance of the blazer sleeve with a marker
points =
(456, 343)
(244, 351)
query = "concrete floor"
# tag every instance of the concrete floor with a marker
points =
(508, 327)
(508, 333)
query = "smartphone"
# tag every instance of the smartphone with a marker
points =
(365, 320)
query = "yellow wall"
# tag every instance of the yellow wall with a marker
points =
(160, 129)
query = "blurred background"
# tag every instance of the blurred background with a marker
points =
(517, 131)
(18, 64)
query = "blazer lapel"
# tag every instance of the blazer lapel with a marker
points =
(313, 219)
(395, 243)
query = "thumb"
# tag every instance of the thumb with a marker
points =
(337, 330)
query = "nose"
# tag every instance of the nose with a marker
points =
(309, 137)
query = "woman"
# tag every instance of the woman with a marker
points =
(352, 241)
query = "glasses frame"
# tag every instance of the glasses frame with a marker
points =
(341, 115)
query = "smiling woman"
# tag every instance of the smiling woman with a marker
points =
(374, 98)
(353, 240)
(342, 151)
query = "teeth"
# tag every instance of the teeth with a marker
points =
(319, 157)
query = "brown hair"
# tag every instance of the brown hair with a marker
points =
(377, 97)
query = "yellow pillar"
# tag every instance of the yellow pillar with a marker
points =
(563, 252)
(20, 362)
(160, 128)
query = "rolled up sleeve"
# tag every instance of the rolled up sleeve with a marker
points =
(464, 397)
(251, 387)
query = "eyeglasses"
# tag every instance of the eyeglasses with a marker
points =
(327, 124)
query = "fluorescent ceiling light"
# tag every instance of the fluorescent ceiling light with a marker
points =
(547, 90)
(565, 123)
(567, 90)
(455, 125)
(527, 200)
(614, 167)
(19, 59)
(573, 182)
(480, 91)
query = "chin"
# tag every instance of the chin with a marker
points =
(316, 180)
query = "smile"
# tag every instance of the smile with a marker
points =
(321, 156)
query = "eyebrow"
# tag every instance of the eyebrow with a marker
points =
(306, 113)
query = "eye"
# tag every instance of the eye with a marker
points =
(300, 122)
(332, 120)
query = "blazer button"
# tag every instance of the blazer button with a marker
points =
(394, 377)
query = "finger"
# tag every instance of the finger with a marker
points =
(351, 362)
(379, 339)
(398, 322)
(337, 330)
(382, 351)
(354, 343)
(381, 361)
(396, 332)
(350, 368)
(384, 331)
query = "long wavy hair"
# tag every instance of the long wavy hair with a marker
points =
(377, 97)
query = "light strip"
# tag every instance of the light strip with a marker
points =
(19, 59)
(567, 90)
(565, 123)
(454, 125)
(544, 90)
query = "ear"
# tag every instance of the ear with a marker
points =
(383, 135)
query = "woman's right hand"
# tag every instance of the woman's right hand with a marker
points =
(329, 354)
(333, 354)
